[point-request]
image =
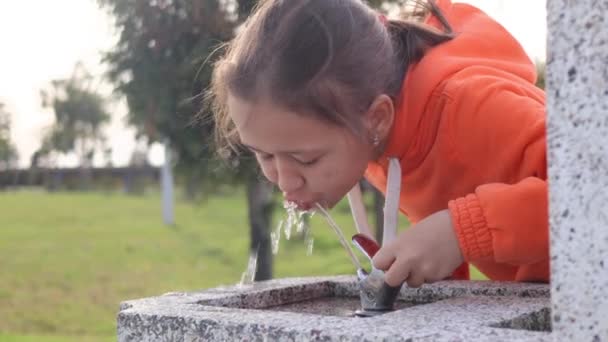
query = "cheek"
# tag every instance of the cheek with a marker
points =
(354, 166)
(329, 175)
(343, 173)
(268, 170)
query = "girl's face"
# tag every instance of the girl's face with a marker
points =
(308, 159)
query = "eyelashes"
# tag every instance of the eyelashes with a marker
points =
(268, 157)
(309, 162)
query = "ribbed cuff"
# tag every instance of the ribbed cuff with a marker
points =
(471, 228)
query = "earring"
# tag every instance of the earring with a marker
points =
(376, 140)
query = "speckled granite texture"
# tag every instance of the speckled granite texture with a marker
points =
(445, 311)
(577, 107)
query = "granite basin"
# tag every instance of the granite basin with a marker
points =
(321, 308)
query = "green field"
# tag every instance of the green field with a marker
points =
(67, 260)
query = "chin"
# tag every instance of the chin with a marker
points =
(329, 204)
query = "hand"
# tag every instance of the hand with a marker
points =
(427, 252)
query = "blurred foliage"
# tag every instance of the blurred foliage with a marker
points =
(80, 113)
(8, 151)
(161, 64)
(541, 68)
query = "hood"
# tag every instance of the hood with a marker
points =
(479, 41)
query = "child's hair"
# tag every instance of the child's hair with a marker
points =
(329, 58)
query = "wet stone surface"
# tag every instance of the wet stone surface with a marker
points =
(331, 306)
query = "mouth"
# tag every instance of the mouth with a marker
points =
(298, 205)
(305, 205)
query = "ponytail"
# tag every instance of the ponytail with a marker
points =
(411, 38)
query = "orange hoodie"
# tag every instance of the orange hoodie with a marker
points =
(469, 132)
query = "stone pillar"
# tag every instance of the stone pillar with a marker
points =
(577, 95)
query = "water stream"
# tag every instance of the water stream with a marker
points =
(299, 220)
(341, 237)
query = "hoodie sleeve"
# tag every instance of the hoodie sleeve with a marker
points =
(504, 223)
(499, 126)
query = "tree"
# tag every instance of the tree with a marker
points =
(8, 152)
(158, 65)
(80, 114)
(161, 65)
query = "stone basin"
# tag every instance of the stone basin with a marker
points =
(321, 308)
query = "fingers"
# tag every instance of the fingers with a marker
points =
(402, 269)
(383, 259)
(399, 270)
(397, 273)
(416, 279)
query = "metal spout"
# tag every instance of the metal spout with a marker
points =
(377, 297)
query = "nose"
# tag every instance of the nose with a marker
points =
(288, 179)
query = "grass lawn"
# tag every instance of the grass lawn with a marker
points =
(68, 259)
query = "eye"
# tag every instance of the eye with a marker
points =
(309, 162)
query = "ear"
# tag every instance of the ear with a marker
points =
(379, 117)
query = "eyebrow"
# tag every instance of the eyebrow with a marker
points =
(255, 149)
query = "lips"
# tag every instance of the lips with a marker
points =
(305, 206)
(302, 205)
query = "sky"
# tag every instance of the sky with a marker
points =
(42, 40)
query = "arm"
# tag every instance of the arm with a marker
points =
(505, 220)
(504, 223)
(496, 130)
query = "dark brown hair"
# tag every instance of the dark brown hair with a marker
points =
(329, 58)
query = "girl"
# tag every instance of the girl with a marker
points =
(324, 92)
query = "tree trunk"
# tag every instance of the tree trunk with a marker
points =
(260, 205)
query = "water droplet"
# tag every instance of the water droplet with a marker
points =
(300, 226)
(288, 230)
(274, 237)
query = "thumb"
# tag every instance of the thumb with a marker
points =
(383, 259)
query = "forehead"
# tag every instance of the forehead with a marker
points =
(271, 127)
